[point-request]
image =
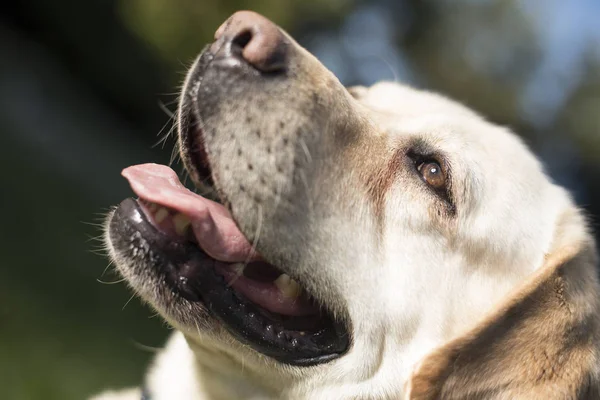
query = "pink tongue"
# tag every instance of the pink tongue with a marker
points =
(213, 226)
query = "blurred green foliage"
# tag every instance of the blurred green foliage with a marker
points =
(178, 29)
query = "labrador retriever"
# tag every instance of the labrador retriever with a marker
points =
(362, 243)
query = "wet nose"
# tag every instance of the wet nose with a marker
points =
(255, 39)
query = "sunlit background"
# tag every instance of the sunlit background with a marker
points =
(87, 87)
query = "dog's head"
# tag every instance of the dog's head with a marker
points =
(354, 230)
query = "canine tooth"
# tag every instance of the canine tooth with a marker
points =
(181, 222)
(289, 287)
(161, 214)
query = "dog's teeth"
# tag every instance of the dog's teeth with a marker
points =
(288, 287)
(161, 214)
(181, 222)
(152, 207)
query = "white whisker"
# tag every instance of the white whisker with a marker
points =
(166, 110)
(240, 269)
(107, 267)
(110, 283)
(389, 65)
(256, 234)
(128, 301)
(175, 155)
(165, 137)
(306, 151)
(147, 348)
(308, 192)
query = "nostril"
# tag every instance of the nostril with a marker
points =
(254, 39)
(242, 39)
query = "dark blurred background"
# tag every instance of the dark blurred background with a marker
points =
(86, 87)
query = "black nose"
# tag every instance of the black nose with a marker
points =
(255, 39)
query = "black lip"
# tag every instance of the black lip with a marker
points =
(191, 274)
(190, 137)
(226, 65)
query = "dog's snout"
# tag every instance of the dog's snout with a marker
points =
(255, 39)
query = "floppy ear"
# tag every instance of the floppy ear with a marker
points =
(543, 342)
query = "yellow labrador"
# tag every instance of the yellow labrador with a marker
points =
(370, 243)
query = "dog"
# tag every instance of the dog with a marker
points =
(352, 243)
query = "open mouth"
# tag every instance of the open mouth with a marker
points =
(204, 258)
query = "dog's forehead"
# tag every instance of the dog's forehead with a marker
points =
(396, 99)
(444, 125)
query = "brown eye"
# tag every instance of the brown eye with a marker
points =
(433, 174)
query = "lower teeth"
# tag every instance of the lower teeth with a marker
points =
(288, 287)
(182, 223)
